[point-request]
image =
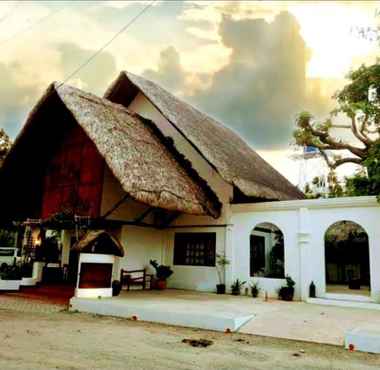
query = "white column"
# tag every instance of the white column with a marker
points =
(229, 252)
(374, 263)
(305, 265)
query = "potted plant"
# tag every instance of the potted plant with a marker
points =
(221, 263)
(27, 274)
(116, 287)
(10, 277)
(236, 287)
(286, 292)
(255, 290)
(162, 274)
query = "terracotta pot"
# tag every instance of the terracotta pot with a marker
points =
(286, 293)
(220, 288)
(161, 284)
(116, 287)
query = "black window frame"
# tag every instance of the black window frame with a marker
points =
(187, 244)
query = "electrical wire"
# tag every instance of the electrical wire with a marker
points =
(94, 55)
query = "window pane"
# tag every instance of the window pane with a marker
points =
(194, 249)
(267, 251)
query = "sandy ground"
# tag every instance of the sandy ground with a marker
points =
(78, 341)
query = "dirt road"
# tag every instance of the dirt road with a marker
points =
(78, 341)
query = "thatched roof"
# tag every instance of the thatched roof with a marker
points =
(233, 158)
(145, 163)
(100, 242)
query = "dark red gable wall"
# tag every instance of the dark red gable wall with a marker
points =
(73, 179)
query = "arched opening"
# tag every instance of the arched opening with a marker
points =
(267, 251)
(347, 259)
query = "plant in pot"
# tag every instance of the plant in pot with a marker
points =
(221, 263)
(286, 292)
(10, 272)
(116, 287)
(236, 287)
(162, 274)
(255, 290)
(10, 277)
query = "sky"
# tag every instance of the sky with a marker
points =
(252, 65)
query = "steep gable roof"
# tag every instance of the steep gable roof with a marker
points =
(146, 165)
(227, 152)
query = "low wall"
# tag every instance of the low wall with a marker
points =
(304, 224)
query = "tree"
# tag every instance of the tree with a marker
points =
(359, 101)
(5, 145)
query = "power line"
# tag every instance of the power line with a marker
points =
(93, 56)
(39, 21)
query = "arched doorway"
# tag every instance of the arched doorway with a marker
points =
(267, 251)
(347, 259)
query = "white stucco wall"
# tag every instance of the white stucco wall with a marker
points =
(141, 245)
(304, 223)
(202, 278)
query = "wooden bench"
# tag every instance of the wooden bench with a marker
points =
(135, 278)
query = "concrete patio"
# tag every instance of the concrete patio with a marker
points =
(291, 320)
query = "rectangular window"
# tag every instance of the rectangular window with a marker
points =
(194, 249)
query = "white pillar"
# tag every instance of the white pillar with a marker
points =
(229, 253)
(305, 264)
(374, 263)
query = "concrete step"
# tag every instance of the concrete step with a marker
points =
(167, 314)
(363, 340)
(344, 303)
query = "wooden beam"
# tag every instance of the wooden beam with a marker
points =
(144, 214)
(169, 219)
(198, 226)
(116, 206)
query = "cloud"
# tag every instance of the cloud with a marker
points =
(94, 77)
(22, 84)
(16, 97)
(169, 70)
(263, 85)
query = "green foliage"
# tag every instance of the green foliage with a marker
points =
(255, 289)
(290, 283)
(367, 183)
(5, 145)
(355, 96)
(221, 262)
(359, 101)
(236, 286)
(286, 292)
(162, 272)
(7, 239)
(10, 272)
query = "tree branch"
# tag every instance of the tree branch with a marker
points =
(364, 139)
(334, 164)
(331, 144)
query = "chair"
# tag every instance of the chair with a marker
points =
(135, 278)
